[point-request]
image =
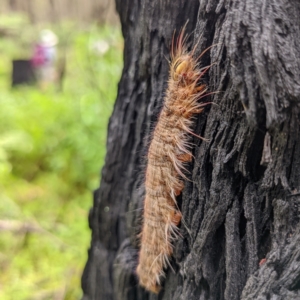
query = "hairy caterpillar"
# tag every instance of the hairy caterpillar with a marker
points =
(169, 152)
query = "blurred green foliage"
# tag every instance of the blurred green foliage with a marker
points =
(52, 147)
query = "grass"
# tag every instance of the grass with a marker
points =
(52, 147)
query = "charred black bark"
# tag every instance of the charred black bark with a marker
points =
(241, 205)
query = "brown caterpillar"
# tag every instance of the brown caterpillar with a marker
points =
(168, 154)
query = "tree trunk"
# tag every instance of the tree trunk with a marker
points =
(242, 201)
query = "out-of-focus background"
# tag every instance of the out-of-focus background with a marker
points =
(60, 62)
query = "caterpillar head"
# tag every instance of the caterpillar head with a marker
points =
(182, 66)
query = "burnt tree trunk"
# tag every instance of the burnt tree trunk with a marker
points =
(242, 201)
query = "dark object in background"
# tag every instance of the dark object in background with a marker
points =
(22, 72)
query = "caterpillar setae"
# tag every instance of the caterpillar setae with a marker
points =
(168, 154)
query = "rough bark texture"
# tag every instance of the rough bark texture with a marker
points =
(242, 201)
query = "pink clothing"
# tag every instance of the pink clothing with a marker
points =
(39, 57)
(43, 61)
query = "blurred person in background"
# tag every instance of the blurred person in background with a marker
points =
(44, 57)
